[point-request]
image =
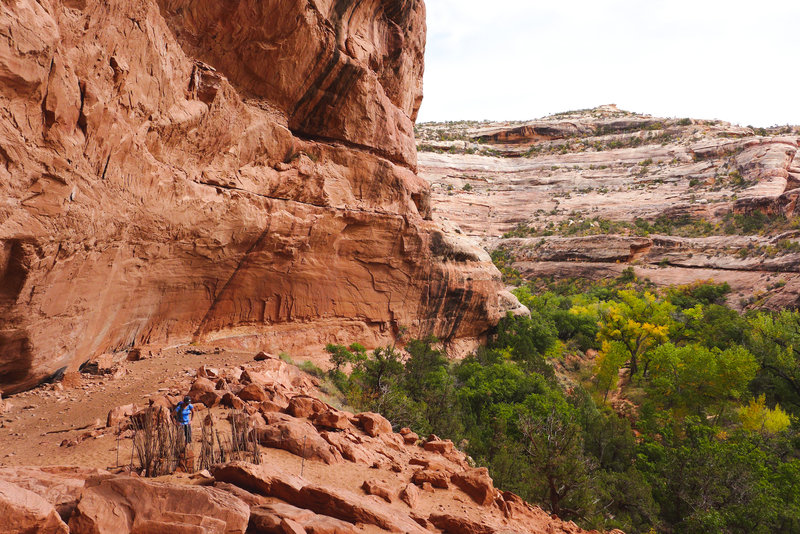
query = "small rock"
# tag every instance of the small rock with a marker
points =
(377, 488)
(410, 495)
(437, 479)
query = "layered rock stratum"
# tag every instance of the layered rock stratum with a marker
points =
(592, 192)
(176, 172)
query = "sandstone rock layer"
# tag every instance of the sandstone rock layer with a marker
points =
(592, 192)
(178, 171)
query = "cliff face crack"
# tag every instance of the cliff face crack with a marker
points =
(215, 303)
(397, 160)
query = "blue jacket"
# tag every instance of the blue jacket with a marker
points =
(183, 410)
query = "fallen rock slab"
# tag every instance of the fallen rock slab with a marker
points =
(60, 486)
(24, 512)
(262, 479)
(334, 502)
(410, 495)
(269, 518)
(348, 506)
(126, 505)
(121, 416)
(305, 406)
(333, 420)
(299, 438)
(439, 446)
(450, 524)
(253, 392)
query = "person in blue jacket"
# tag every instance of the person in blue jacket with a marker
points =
(184, 412)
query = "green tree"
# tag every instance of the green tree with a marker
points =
(610, 359)
(693, 378)
(775, 340)
(528, 339)
(553, 445)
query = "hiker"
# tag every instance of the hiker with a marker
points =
(184, 412)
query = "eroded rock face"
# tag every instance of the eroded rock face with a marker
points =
(175, 171)
(589, 193)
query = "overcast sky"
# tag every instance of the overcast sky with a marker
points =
(522, 59)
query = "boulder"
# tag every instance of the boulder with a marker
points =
(210, 398)
(121, 416)
(305, 406)
(300, 438)
(431, 464)
(374, 424)
(205, 371)
(268, 406)
(253, 392)
(439, 446)
(230, 400)
(250, 376)
(477, 484)
(332, 419)
(410, 495)
(377, 488)
(437, 479)
(24, 512)
(125, 505)
(276, 417)
(261, 356)
(199, 386)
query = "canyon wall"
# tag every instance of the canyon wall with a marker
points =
(239, 173)
(590, 193)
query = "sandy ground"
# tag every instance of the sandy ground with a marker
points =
(38, 421)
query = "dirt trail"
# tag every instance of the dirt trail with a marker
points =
(37, 421)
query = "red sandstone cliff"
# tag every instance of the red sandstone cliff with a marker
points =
(174, 171)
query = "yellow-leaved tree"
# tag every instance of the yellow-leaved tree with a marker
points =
(758, 417)
(633, 323)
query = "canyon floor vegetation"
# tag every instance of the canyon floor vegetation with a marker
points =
(614, 404)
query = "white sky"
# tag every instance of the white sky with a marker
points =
(733, 60)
